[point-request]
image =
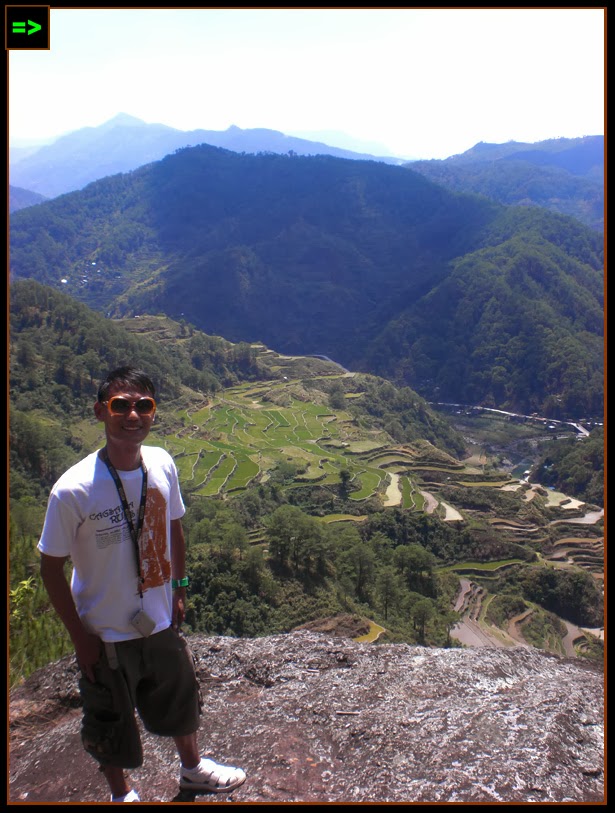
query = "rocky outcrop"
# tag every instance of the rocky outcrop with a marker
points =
(318, 718)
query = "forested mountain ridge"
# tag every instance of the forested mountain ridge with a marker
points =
(124, 143)
(372, 265)
(582, 156)
(563, 175)
(574, 468)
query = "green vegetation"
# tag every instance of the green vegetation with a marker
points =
(461, 298)
(284, 465)
(575, 467)
(544, 630)
(480, 567)
(563, 175)
(37, 635)
(504, 607)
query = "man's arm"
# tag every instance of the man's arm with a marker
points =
(87, 646)
(178, 571)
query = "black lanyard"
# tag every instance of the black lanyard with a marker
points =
(135, 533)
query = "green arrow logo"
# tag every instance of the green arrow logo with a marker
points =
(20, 28)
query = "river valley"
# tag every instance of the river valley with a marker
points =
(512, 444)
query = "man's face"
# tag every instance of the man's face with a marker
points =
(127, 420)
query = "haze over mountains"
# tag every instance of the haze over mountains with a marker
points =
(457, 296)
(125, 142)
(564, 175)
(21, 198)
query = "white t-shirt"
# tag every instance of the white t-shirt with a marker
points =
(85, 520)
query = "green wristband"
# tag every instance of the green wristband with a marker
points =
(179, 582)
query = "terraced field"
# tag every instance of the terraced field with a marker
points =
(571, 552)
(586, 553)
(224, 443)
(241, 435)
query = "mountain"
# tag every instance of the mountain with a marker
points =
(564, 175)
(20, 198)
(456, 296)
(337, 138)
(125, 143)
(23, 147)
(581, 156)
(321, 719)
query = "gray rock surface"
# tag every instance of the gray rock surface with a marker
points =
(318, 719)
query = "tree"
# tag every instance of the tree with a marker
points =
(388, 589)
(422, 612)
(448, 619)
(228, 535)
(359, 563)
(253, 569)
(345, 478)
(295, 540)
(416, 564)
(337, 396)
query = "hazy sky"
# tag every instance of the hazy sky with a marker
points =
(423, 83)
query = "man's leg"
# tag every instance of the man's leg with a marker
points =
(109, 729)
(188, 750)
(116, 779)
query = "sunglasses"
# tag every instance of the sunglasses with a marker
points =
(123, 406)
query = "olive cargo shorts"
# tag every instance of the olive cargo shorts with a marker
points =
(155, 676)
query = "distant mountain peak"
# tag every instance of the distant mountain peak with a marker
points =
(123, 120)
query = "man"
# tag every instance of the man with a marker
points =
(117, 515)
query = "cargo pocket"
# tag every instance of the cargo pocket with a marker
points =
(101, 724)
(108, 731)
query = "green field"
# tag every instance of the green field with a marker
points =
(239, 436)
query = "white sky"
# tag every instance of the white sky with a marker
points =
(423, 83)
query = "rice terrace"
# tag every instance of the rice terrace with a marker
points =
(285, 427)
(241, 435)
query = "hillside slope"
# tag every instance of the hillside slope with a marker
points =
(564, 175)
(21, 198)
(455, 296)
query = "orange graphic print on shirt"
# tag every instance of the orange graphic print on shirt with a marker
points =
(155, 564)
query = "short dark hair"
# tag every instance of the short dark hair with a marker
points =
(126, 376)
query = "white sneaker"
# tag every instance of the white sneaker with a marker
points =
(210, 776)
(131, 796)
